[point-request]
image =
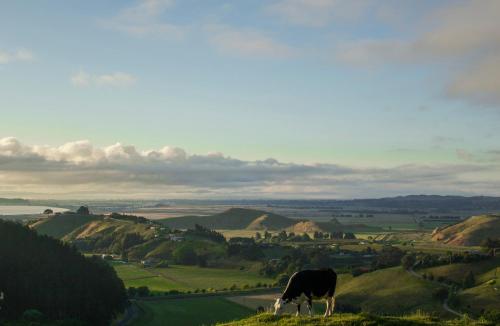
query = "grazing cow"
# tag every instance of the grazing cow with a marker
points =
(306, 286)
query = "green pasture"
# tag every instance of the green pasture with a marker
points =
(189, 312)
(186, 278)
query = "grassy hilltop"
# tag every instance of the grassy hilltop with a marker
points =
(349, 320)
(470, 232)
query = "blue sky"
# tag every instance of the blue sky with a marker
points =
(360, 84)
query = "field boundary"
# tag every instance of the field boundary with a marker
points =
(210, 294)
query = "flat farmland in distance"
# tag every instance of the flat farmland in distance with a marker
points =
(190, 312)
(186, 278)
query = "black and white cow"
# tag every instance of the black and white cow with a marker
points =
(306, 286)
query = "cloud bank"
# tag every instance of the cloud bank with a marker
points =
(79, 169)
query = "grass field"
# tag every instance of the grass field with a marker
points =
(349, 320)
(187, 312)
(387, 291)
(186, 278)
(483, 270)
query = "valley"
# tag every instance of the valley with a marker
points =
(236, 261)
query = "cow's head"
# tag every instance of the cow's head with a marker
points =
(278, 306)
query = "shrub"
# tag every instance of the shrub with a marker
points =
(492, 316)
(33, 315)
(469, 280)
(282, 279)
(408, 261)
(143, 291)
(440, 293)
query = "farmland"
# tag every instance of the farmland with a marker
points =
(186, 278)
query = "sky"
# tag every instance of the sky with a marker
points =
(249, 99)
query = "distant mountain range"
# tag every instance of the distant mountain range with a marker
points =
(427, 202)
(411, 202)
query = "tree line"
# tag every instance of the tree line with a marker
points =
(41, 274)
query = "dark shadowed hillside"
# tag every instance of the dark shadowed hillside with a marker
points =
(44, 274)
(59, 225)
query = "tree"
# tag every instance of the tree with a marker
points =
(349, 235)
(47, 275)
(408, 261)
(283, 279)
(282, 236)
(440, 293)
(258, 236)
(469, 280)
(389, 256)
(267, 235)
(143, 291)
(83, 210)
(185, 255)
(130, 240)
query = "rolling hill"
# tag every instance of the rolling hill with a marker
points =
(484, 295)
(232, 219)
(59, 225)
(390, 291)
(470, 232)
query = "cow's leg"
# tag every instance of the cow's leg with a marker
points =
(310, 306)
(327, 311)
(298, 309)
(332, 306)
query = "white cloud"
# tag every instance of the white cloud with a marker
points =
(317, 13)
(246, 42)
(145, 19)
(79, 169)
(463, 35)
(116, 79)
(20, 55)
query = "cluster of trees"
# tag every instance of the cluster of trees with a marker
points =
(245, 248)
(291, 236)
(388, 256)
(431, 260)
(131, 218)
(333, 235)
(42, 273)
(83, 210)
(298, 259)
(490, 244)
(201, 231)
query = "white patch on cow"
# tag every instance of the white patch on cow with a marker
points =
(278, 306)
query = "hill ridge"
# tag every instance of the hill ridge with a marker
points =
(470, 232)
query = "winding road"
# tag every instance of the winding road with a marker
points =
(445, 302)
